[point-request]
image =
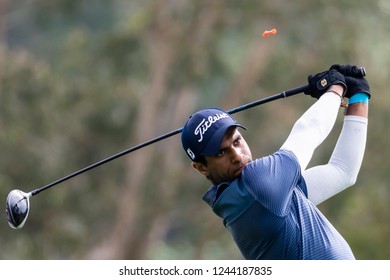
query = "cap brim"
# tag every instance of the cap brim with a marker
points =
(214, 145)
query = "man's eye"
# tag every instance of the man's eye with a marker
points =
(221, 153)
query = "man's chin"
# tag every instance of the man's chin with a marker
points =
(237, 174)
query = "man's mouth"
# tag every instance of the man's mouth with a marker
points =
(239, 170)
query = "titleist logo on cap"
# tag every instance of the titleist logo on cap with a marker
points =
(204, 125)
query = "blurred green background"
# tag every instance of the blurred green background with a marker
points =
(82, 80)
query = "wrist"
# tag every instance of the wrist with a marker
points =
(359, 97)
(357, 109)
(337, 89)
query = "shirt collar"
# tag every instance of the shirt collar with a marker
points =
(214, 192)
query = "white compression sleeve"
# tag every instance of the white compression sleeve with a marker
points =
(343, 167)
(312, 128)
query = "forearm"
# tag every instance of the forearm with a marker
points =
(343, 167)
(342, 170)
(357, 109)
(314, 126)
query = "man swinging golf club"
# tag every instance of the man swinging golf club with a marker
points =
(268, 204)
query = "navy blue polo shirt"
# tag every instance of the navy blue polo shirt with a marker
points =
(269, 216)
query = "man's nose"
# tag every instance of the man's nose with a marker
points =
(235, 154)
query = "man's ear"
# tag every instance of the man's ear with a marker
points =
(201, 168)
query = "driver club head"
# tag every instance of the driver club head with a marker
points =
(17, 208)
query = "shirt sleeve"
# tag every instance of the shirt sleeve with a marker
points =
(272, 179)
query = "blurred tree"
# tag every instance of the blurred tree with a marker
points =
(82, 80)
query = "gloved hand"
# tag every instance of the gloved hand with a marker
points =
(349, 70)
(319, 83)
(354, 77)
(356, 85)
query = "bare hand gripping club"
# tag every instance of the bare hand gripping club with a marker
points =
(18, 202)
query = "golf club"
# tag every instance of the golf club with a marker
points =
(18, 202)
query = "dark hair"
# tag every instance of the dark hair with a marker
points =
(201, 159)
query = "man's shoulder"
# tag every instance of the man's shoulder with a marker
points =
(281, 156)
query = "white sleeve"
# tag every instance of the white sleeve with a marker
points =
(343, 167)
(311, 129)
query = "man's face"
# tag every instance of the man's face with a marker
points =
(234, 154)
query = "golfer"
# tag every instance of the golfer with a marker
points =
(268, 204)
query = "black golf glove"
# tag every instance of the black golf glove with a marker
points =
(356, 85)
(319, 83)
(354, 78)
(349, 70)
